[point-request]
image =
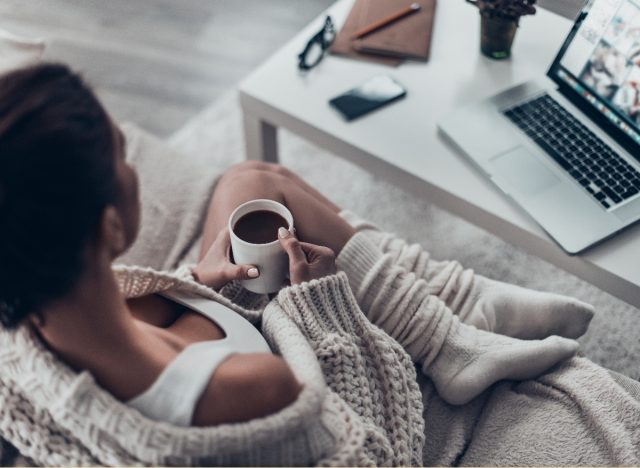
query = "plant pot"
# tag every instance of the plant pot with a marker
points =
(496, 36)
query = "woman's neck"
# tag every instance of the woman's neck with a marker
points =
(91, 319)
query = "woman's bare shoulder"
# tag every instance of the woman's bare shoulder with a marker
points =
(244, 387)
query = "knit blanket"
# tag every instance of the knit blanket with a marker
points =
(576, 415)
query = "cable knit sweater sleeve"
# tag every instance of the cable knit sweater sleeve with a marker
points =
(368, 370)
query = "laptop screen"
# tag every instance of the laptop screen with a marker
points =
(599, 65)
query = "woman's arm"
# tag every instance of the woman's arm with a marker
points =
(245, 387)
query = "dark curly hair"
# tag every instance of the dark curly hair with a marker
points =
(56, 177)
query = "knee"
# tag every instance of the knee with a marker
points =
(260, 166)
(252, 180)
(251, 166)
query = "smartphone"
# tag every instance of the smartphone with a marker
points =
(370, 95)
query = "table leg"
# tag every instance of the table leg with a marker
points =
(261, 139)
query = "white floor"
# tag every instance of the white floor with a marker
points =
(159, 62)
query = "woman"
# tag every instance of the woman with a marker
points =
(69, 206)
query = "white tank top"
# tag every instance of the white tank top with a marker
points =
(174, 394)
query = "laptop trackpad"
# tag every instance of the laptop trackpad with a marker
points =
(522, 171)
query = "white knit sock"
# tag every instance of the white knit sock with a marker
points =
(461, 360)
(484, 303)
(470, 360)
(523, 313)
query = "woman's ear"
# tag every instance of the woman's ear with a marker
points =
(112, 231)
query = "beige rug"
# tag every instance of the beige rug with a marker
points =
(613, 339)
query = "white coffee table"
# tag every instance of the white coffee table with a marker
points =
(401, 143)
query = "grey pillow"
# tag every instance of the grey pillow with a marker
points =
(175, 190)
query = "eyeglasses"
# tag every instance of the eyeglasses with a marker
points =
(317, 46)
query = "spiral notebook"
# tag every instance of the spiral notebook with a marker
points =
(407, 38)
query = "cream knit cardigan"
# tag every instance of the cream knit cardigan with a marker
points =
(360, 404)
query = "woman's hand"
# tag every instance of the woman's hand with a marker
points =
(215, 269)
(306, 261)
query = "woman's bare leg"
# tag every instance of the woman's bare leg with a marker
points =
(292, 176)
(315, 218)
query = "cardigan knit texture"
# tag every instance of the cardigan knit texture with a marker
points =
(360, 405)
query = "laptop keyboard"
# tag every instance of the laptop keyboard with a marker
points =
(591, 162)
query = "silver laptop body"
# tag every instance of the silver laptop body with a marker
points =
(565, 206)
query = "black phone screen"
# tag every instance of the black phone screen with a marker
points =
(373, 94)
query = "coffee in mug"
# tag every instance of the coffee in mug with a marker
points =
(259, 227)
(253, 227)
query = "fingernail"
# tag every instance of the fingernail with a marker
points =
(253, 272)
(283, 233)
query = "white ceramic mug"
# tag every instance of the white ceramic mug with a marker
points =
(270, 259)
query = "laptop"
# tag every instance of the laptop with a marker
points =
(566, 147)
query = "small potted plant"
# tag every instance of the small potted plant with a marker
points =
(499, 20)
